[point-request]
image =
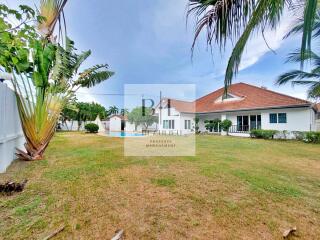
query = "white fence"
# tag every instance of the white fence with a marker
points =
(11, 136)
(73, 125)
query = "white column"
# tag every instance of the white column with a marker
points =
(223, 117)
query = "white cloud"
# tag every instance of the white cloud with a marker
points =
(257, 47)
(84, 95)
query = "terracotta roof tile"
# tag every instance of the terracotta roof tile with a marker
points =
(120, 116)
(247, 97)
(181, 106)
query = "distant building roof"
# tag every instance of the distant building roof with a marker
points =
(122, 117)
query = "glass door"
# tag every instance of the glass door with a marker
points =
(245, 126)
(255, 122)
(258, 121)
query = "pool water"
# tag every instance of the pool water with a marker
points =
(124, 134)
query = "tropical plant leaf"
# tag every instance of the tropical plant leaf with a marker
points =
(94, 75)
(308, 26)
(51, 11)
(270, 10)
(294, 76)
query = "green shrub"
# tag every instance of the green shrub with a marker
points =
(301, 136)
(212, 125)
(92, 127)
(225, 125)
(312, 137)
(264, 134)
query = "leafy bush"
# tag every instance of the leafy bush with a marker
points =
(226, 124)
(264, 134)
(301, 136)
(312, 137)
(212, 125)
(92, 127)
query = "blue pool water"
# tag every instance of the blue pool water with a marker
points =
(124, 134)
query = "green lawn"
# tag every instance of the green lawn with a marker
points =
(233, 189)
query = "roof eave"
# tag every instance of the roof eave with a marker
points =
(252, 109)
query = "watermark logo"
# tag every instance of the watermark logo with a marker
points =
(164, 114)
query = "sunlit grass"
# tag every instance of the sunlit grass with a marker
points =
(234, 188)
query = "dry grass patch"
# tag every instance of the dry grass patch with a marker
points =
(232, 189)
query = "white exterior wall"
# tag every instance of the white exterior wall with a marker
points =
(209, 116)
(187, 116)
(174, 115)
(318, 125)
(298, 119)
(11, 135)
(115, 124)
(73, 125)
(130, 127)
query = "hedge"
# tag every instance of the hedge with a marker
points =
(92, 127)
(312, 137)
(264, 134)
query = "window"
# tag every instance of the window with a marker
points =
(187, 124)
(168, 124)
(273, 118)
(282, 118)
(165, 124)
(278, 118)
(255, 122)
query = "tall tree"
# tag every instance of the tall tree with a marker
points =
(113, 110)
(83, 111)
(124, 111)
(139, 116)
(236, 20)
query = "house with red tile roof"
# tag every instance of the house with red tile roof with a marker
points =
(247, 106)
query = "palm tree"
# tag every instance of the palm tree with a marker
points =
(236, 20)
(307, 78)
(113, 110)
(299, 77)
(124, 111)
(56, 79)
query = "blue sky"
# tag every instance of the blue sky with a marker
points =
(148, 42)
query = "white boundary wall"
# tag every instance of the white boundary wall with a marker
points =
(11, 135)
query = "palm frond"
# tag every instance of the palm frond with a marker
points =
(80, 59)
(295, 57)
(314, 90)
(221, 19)
(310, 11)
(295, 77)
(51, 10)
(93, 76)
(269, 11)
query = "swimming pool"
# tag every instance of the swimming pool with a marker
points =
(124, 134)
